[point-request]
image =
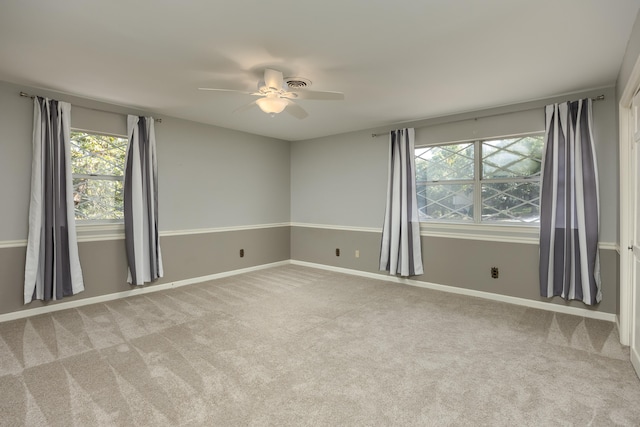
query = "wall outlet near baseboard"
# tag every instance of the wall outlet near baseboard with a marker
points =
(241, 253)
(357, 253)
(337, 251)
(494, 272)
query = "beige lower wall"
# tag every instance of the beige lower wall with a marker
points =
(453, 262)
(447, 261)
(184, 257)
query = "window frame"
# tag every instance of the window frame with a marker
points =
(99, 226)
(526, 230)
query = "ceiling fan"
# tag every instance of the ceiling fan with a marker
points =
(277, 95)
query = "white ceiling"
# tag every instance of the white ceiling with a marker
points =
(395, 61)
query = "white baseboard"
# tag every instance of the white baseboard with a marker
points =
(135, 291)
(541, 305)
(444, 288)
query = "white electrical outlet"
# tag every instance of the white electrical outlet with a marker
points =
(357, 253)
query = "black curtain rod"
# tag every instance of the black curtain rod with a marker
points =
(595, 98)
(26, 95)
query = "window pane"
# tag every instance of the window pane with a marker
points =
(512, 158)
(97, 199)
(445, 202)
(97, 154)
(445, 162)
(511, 202)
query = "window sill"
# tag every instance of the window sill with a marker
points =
(90, 231)
(488, 232)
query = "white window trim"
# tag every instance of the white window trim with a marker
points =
(89, 232)
(492, 232)
(96, 132)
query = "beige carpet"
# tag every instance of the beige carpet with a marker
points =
(293, 346)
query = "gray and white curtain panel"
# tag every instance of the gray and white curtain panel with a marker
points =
(400, 252)
(141, 203)
(569, 209)
(52, 265)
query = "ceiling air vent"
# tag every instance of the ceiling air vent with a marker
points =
(297, 82)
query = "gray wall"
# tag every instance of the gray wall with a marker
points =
(630, 57)
(213, 177)
(340, 181)
(209, 178)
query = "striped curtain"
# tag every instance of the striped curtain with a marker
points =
(569, 210)
(141, 203)
(400, 251)
(52, 265)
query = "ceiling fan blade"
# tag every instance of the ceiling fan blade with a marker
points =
(295, 110)
(273, 78)
(245, 107)
(321, 96)
(244, 92)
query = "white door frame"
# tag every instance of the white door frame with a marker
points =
(626, 226)
(625, 319)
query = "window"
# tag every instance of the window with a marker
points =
(98, 175)
(490, 181)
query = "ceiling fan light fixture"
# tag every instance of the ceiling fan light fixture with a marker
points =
(272, 104)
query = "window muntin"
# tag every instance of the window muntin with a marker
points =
(445, 162)
(446, 202)
(511, 202)
(98, 176)
(490, 181)
(445, 176)
(512, 157)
